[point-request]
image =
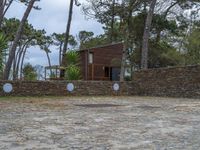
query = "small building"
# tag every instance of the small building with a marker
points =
(101, 63)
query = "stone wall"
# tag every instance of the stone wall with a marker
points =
(169, 82)
(59, 88)
(164, 82)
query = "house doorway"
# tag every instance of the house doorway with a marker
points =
(112, 73)
(115, 74)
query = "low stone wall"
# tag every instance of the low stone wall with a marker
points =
(169, 82)
(59, 88)
(164, 82)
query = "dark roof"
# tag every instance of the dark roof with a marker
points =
(102, 46)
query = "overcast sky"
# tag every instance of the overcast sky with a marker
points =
(53, 18)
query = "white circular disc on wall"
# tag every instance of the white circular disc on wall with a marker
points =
(116, 87)
(7, 88)
(70, 87)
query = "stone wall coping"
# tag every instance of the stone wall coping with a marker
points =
(62, 81)
(168, 68)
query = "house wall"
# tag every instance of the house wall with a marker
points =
(102, 57)
(83, 64)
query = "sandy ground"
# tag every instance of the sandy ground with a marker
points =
(99, 123)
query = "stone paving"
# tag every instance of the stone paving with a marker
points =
(99, 123)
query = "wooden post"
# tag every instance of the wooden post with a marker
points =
(109, 75)
(92, 71)
(45, 74)
(56, 72)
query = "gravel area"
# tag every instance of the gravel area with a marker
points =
(99, 123)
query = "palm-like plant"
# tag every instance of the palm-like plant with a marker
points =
(72, 57)
(3, 46)
(73, 71)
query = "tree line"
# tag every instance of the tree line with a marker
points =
(154, 33)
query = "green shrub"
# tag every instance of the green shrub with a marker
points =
(127, 78)
(52, 75)
(73, 72)
(72, 57)
(29, 72)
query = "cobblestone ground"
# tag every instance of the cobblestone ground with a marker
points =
(99, 123)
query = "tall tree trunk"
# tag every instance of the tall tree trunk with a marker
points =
(123, 61)
(7, 7)
(15, 63)
(49, 61)
(14, 67)
(144, 59)
(127, 38)
(68, 27)
(62, 73)
(112, 21)
(4, 8)
(22, 61)
(16, 40)
(1, 11)
(19, 59)
(60, 53)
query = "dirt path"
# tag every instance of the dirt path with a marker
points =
(99, 123)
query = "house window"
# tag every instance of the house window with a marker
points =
(90, 58)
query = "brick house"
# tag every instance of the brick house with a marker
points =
(101, 63)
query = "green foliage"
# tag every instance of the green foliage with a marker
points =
(72, 41)
(116, 34)
(43, 41)
(3, 46)
(160, 55)
(72, 57)
(9, 28)
(163, 55)
(161, 23)
(29, 72)
(3, 42)
(171, 58)
(85, 36)
(127, 78)
(52, 75)
(193, 47)
(169, 27)
(94, 42)
(60, 38)
(29, 36)
(73, 72)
